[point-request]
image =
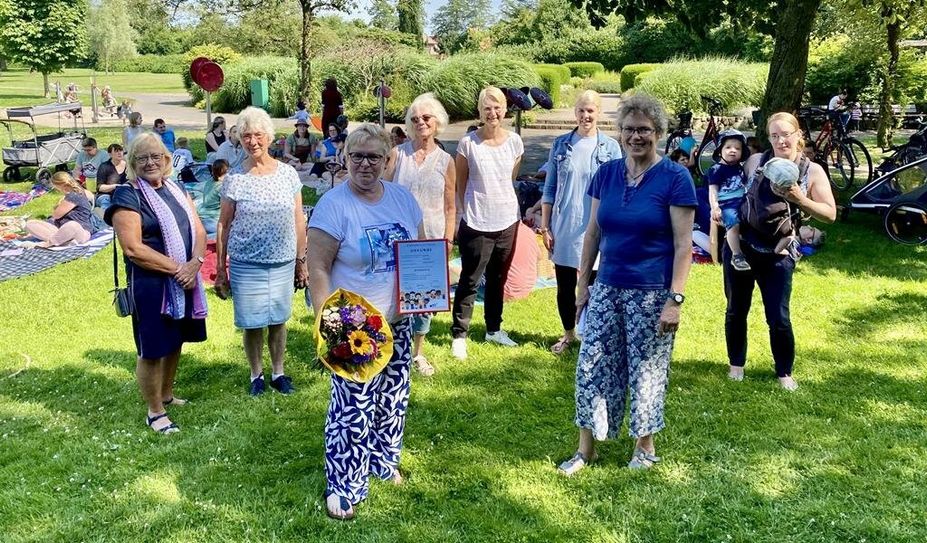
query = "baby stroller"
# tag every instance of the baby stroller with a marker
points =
(900, 195)
(911, 150)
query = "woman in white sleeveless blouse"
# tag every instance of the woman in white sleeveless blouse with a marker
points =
(423, 167)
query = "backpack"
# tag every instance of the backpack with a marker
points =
(769, 215)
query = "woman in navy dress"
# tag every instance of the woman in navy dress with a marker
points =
(163, 241)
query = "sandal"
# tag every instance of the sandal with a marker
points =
(174, 401)
(423, 366)
(343, 503)
(576, 463)
(642, 459)
(562, 345)
(169, 429)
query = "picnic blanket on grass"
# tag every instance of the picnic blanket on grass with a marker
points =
(18, 259)
(9, 200)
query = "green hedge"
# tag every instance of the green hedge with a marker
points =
(680, 84)
(552, 77)
(630, 73)
(458, 80)
(584, 69)
(157, 64)
(604, 83)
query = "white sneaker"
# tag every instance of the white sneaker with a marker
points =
(501, 338)
(459, 348)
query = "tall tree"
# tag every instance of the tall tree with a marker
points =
(788, 21)
(411, 17)
(383, 15)
(45, 35)
(112, 38)
(896, 17)
(453, 20)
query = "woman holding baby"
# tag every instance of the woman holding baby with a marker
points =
(772, 270)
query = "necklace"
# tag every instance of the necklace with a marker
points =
(634, 180)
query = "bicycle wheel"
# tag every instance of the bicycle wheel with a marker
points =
(705, 159)
(672, 143)
(854, 162)
(906, 223)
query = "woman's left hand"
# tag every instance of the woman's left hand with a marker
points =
(301, 280)
(669, 318)
(186, 275)
(793, 194)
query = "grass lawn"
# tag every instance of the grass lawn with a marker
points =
(19, 87)
(842, 459)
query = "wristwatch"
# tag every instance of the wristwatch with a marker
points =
(677, 297)
(200, 259)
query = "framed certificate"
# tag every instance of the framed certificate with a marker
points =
(422, 276)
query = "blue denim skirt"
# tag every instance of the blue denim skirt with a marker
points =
(262, 294)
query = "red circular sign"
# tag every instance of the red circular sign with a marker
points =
(195, 65)
(209, 76)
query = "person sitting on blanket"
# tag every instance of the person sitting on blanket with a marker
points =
(72, 219)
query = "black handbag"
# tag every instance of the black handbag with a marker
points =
(123, 300)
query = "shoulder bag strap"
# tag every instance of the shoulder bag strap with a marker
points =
(115, 260)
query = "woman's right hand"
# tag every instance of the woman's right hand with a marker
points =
(548, 240)
(582, 298)
(222, 284)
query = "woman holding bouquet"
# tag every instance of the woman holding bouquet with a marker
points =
(351, 236)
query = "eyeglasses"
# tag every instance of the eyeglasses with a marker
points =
(779, 137)
(424, 118)
(359, 158)
(639, 130)
(144, 159)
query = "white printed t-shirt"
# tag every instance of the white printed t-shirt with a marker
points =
(490, 203)
(366, 262)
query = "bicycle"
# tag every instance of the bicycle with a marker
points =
(834, 148)
(705, 150)
(907, 152)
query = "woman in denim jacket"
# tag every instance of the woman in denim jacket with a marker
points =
(574, 159)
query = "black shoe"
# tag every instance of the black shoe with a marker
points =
(282, 384)
(257, 386)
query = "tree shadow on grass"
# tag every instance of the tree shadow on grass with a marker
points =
(890, 310)
(861, 248)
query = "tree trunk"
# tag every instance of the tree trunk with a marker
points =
(45, 84)
(889, 75)
(789, 61)
(305, 66)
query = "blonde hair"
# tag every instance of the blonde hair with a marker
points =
(427, 103)
(135, 118)
(792, 121)
(64, 179)
(490, 93)
(589, 97)
(153, 141)
(368, 132)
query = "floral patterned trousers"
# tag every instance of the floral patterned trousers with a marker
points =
(621, 349)
(363, 430)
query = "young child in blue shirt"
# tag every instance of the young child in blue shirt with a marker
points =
(726, 186)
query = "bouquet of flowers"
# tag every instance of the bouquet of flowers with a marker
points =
(353, 340)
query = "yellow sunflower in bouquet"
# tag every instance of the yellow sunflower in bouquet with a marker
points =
(352, 338)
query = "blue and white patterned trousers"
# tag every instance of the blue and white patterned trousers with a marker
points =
(363, 430)
(622, 349)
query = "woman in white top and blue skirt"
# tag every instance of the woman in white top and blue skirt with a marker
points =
(262, 229)
(487, 163)
(428, 172)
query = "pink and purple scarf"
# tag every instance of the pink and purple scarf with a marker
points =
(173, 302)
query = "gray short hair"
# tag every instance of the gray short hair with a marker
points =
(647, 106)
(427, 103)
(148, 140)
(368, 132)
(255, 119)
